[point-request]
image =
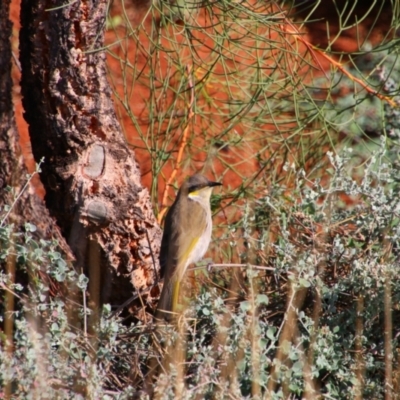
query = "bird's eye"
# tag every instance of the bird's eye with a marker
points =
(195, 188)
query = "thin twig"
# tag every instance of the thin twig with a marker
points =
(84, 312)
(21, 192)
(388, 323)
(291, 28)
(4, 287)
(152, 255)
(181, 146)
(340, 67)
(259, 267)
(17, 63)
(130, 300)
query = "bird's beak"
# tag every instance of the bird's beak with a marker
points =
(212, 184)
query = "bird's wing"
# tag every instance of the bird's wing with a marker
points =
(181, 240)
(189, 238)
(170, 242)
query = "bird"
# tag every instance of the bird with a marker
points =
(186, 237)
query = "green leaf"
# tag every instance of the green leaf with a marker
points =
(205, 311)
(271, 332)
(262, 299)
(304, 283)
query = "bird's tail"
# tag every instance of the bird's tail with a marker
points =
(167, 305)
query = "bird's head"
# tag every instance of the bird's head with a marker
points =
(199, 187)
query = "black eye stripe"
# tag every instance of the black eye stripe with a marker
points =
(194, 188)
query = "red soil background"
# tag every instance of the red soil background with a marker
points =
(316, 33)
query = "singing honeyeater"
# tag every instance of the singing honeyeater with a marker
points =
(187, 234)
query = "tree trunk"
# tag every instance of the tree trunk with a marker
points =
(25, 205)
(91, 178)
(13, 172)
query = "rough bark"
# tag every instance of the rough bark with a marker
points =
(91, 178)
(13, 172)
(26, 206)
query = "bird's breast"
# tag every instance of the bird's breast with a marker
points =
(202, 245)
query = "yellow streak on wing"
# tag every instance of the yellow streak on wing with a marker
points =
(175, 296)
(185, 256)
(182, 264)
